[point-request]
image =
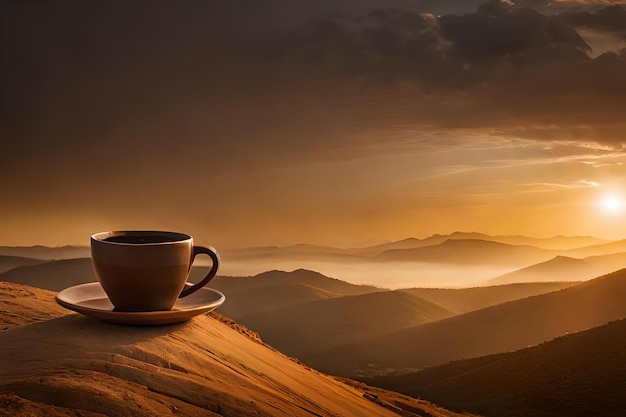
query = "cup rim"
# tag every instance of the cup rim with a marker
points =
(177, 237)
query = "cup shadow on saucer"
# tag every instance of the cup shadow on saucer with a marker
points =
(90, 300)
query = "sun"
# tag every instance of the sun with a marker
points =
(612, 204)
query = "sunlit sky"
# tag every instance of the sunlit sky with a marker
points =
(274, 123)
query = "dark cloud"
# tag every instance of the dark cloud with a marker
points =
(494, 32)
(245, 80)
(502, 67)
(449, 51)
(554, 7)
(610, 19)
(495, 7)
(385, 45)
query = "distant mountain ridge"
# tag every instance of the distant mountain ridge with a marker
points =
(564, 268)
(468, 252)
(559, 268)
(571, 243)
(554, 243)
(561, 243)
(298, 276)
(46, 252)
(595, 250)
(456, 259)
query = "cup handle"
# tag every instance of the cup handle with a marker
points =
(216, 263)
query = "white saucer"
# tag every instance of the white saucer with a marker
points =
(91, 300)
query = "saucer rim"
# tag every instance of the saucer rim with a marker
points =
(140, 317)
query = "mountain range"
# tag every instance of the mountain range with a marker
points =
(499, 328)
(459, 259)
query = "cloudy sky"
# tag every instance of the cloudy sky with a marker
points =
(347, 123)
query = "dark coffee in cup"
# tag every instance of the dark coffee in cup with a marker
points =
(139, 239)
(147, 270)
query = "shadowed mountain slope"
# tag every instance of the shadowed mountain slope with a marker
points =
(559, 268)
(596, 250)
(208, 366)
(53, 275)
(269, 297)
(302, 329)
(463, 300)
(500, 328)
(8, 262)
(578, 375)
(563, 268)
(613, 261)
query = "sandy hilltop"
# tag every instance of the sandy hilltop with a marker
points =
(58, 363)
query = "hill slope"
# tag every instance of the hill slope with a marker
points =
(463, 300)
(559, 268)
(301, 329)
(52, 275)
(269, 297)
(597, 250)
(72, 365)
(8, 262)
(581, 374)
(513, 325)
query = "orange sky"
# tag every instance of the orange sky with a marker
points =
(344, 132)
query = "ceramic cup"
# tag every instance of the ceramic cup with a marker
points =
(147, 270)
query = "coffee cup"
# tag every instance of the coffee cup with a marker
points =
(143, 270)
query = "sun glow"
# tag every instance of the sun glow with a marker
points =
(612, 204)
